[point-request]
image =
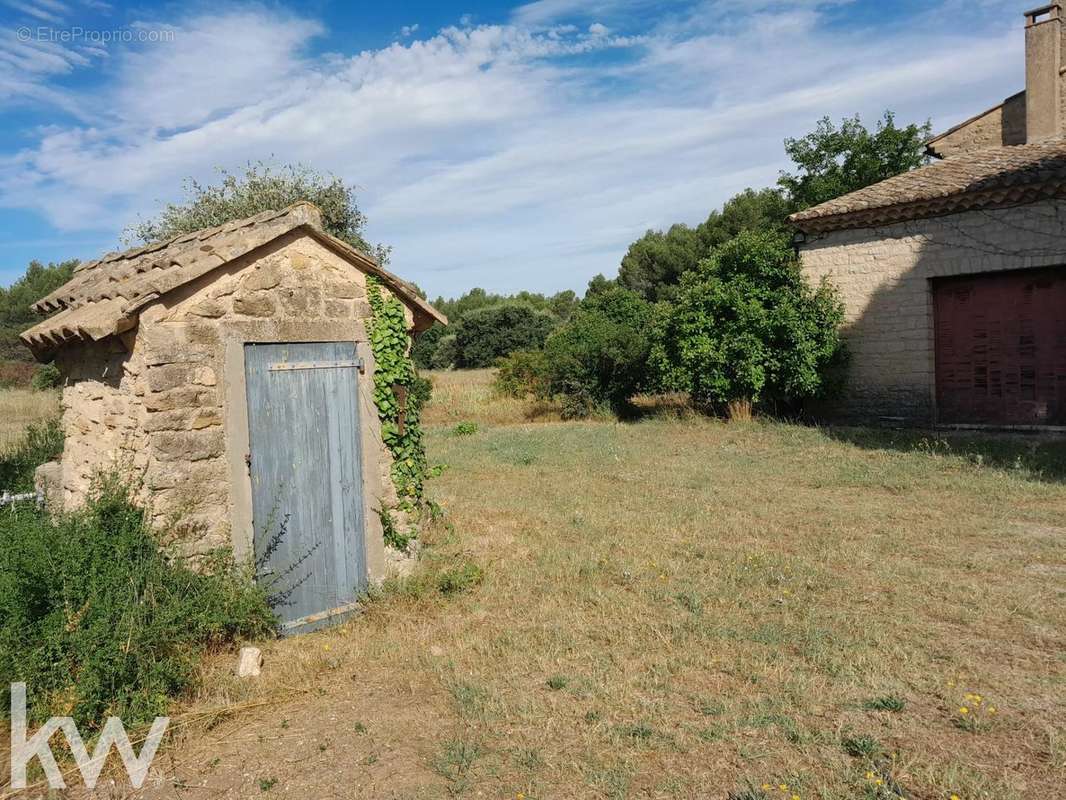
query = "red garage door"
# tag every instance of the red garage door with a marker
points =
(1001, 348)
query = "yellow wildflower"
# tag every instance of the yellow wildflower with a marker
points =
(964, 710)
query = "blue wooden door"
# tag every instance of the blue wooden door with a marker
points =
(306, 473)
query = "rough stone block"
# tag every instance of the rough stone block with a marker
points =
(162, 378)
(188, 445)
(266, 276)
(253, 305)
(301, 302)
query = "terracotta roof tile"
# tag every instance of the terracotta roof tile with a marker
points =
(104, 296)
(991, 178)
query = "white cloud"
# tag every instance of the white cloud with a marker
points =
(408, 30)
(482, 157)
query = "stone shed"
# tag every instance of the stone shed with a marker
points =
(228, 372)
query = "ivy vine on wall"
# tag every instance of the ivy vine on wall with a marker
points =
(398, 399)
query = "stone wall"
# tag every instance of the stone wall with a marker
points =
(884, 278)
(171, 408)
(997, 127)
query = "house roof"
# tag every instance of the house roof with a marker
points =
(104, 297)
(996, 177)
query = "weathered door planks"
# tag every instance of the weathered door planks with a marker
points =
(306, 468)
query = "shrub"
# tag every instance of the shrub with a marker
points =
(487, 334)
(97, 622)
(445, 354)
(747, 328)
(420, 392)
(465, 429)
(524, 373)
(599, 358)
(40, 443)
(425, 345)
(46, 377)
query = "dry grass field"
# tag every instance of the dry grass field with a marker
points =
(20, 407)
(679, 609)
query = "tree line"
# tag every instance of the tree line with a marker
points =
(720, 310)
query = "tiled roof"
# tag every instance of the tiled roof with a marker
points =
(105, 296)
(992, 178)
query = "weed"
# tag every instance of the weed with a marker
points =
(359, 728)
(888, 702)
(46, 377)
(639, 731)
(861, 746)
(529, 758)
(691, 602)
(470, 698)
(712, 733)
(747, 793)
(465, 429)
(97, 621)
(460, 578)
(456, 759)
(710, 708)
(266, 784)
(557, 682)
(392, 535)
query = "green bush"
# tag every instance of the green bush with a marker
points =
(524, 373)
(746, 327)
(600, 357)
(465, 429)
(425, 345)
(445, 354)
(97, 622)
(487, 334)
(40, 443)
(46, 376)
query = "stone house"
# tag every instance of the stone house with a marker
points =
(953, 275)
(229, 373)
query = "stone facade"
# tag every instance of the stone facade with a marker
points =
(997, 127)
(164, 402)
(884, 276)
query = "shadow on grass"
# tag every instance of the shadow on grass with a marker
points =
(1040, 457)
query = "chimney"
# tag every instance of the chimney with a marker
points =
(1043, 61)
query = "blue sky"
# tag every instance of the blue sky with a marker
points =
(507, 146)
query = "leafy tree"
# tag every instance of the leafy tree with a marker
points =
(445, 354)
(600, 284)
(15, 301)
(487, 334)
(599, 358)
(751, 210)
(832, 161)
(655, 262)
(261, 188)
(747, 328)
(425, 345)
(560, 306)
